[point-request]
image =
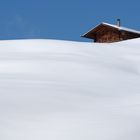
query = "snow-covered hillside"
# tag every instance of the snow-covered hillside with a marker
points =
(62, 90)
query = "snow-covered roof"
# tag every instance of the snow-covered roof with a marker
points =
(114, 26)
(122, 28)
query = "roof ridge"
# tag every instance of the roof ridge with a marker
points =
(121, 27)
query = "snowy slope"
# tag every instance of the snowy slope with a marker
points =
(62, 90)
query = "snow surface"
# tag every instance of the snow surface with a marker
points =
(62, 90)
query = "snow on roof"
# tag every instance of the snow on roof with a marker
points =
(115, 26)
(122, 28)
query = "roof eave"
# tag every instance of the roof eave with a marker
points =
(91, 30)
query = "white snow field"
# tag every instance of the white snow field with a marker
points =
(64, 90)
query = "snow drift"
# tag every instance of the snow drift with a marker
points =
(63, 90)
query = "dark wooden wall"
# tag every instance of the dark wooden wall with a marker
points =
(110, 36)
(128, 35)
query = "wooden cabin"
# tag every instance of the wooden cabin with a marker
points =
(108, 33)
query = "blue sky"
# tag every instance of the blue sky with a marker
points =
(63, 19)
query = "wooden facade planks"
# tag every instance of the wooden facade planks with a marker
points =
(108, 35)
